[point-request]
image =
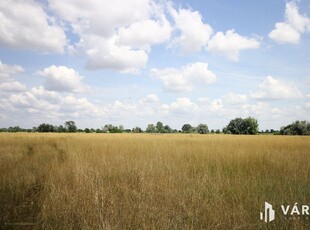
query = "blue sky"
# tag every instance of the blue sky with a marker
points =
(143, 61)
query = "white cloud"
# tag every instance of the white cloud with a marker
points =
(273, 89)
(40, 105)
(25, 25)
(235, 99)
(7, 83)
(114, 34)
(150, 99)
(184, 79)
(183, 103)
(143, 34)
(300, 22)
(194, 33)
(216, 105)
(80, 107)
(12, 86)
(62, 79)
(105, 54)
(295, 24)
(49, 104)
(102, 17)
(285, 33)
(230, 44)
(6, 70)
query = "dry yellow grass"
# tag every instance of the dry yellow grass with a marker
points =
(142, 181)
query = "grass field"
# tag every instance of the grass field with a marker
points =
(143, 181)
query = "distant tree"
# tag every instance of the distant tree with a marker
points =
(296, 128)
(242, 126)
(99, 131)
(46, 128)
(250, 126)
(187, 128)
(212, 131)
(115, 129)
(203, 129)
(167, 129)
(235, 126)
(151, 128)
(106, 128)
(112, 129)
(217, 131)
(61, 129)
(87, 130)
(70, 126)
(159, 127)
(137, 130)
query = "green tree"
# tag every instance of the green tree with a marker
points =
(112, 129)
(296, 128)
(70, 126)
(46, 128)
(242, 126)
(151, 128)
(159, 127)
(187, 128)
(234, 126)
(203, 129)
(137, 130)
(61, 129)
(250, 126)
(167, 129)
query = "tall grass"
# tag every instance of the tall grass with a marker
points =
(141, 181)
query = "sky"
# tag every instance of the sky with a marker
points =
(137, 62)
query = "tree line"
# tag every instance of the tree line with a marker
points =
(247, 125)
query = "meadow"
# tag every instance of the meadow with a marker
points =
(145, 181)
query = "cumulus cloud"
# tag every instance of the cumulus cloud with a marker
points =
(150, 99)
(41, 105)
(105, 54)
(273, 89)
(102, 17)
(6, 70)
(12, 86)
(184, 79)
(115, 34)
(62, 79)
(183, 105)
(48, 104)
(7, 83)
(143, 34)
(194, 34)
(230, 44)
(25, 25)
(235, 99)
(291, 29)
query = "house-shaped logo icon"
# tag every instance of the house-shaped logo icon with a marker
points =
(269, 214)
